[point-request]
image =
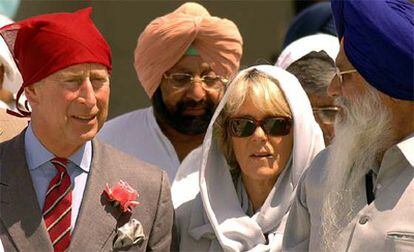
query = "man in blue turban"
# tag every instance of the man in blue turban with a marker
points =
(358, 194)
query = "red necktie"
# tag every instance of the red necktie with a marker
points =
(58, 206)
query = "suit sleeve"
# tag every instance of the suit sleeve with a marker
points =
(161, 234)
(297, 231)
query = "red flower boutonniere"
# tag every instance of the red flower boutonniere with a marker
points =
(122, 195)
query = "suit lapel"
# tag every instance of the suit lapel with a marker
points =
(95, 224)
(19, 209)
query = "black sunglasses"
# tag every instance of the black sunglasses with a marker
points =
(272, 126)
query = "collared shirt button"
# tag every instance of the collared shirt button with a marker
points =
(363, 220)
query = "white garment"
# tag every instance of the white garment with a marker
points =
(12, 80)
(208, 211)
(3, 105)
(303, 46)
(137, 133)
(386, 224)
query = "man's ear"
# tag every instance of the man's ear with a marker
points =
(32, 94)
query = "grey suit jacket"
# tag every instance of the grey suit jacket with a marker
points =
(22, 227)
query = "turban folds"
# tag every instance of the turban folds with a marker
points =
(379, 42)
(166, 39)
(45, 44)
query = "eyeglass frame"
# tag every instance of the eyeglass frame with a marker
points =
(222, 79)
(340, 73)
(328, 108)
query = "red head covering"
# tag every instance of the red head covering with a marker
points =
(166, 39)
(45, 44)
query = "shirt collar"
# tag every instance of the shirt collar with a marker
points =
(406, 147)
(37, 154)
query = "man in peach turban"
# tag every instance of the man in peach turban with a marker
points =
(184, 61)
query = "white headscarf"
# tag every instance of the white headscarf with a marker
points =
(305, 45)
(223, 220)
(12, 78)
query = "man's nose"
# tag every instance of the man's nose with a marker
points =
(196, 91)
(87, 93)
(334, 88)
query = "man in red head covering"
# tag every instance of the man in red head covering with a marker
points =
(183, 60)
(55, 177)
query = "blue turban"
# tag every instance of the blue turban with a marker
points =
(379, 42)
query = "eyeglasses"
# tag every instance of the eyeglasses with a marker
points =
(339, 73)
(184, 80)
(326, 115)
(273, 126)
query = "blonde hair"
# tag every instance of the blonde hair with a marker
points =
(266, 95)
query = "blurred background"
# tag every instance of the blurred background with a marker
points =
(263, 25)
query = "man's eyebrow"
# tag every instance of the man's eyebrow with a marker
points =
(99, 74)
(67, 75)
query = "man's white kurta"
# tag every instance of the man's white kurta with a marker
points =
(137, 133)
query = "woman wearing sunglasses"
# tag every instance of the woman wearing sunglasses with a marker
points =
(234, 193)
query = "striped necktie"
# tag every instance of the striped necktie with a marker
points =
(58, 205)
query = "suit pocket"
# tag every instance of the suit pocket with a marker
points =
(399, 241)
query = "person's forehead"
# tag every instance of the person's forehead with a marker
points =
(190, 64)
(81, 69)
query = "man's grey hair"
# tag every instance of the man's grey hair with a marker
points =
(314, 71)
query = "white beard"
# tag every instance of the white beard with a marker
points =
(362, 134)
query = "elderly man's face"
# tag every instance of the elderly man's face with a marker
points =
(190, 108)
(70, 105)
(352, 86)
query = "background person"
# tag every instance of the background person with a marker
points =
(314, 19)
(183, 61)
(10, 82)
(311, 60)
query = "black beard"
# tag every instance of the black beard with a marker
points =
(185, 124)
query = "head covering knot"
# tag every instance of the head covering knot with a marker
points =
(166, 39)
(378, 41)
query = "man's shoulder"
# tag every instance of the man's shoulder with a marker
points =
(12, 145)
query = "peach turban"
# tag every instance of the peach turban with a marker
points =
(166, 39)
